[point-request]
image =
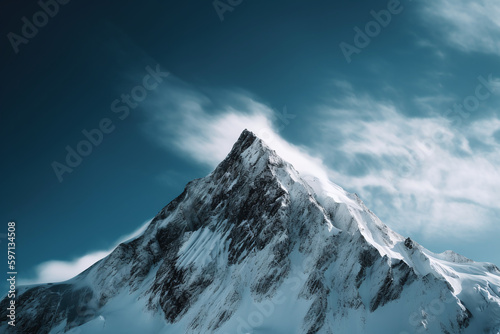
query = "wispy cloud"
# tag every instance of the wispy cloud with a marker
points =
(205, 126)
(467, 25)
(419, 174)
(58, 271)
(208, 137)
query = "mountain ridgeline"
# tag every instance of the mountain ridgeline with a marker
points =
(256, 247)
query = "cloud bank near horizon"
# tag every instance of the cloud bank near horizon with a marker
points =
(58, 271)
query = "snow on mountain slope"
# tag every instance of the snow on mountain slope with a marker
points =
(254, 247)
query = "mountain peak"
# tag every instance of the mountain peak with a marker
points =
(246, 152)
(245, 140)
(245, 134)
(255, 238)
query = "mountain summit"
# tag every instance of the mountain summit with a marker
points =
(254, 247)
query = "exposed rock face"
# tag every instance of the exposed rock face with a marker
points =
(254, 237)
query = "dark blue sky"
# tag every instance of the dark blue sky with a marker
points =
(367, 119)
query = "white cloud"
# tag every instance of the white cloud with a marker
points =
(419, 174)
(58, 271)
(207, 137)
(467, 25)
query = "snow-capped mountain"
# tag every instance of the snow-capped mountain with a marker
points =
(255, 247)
